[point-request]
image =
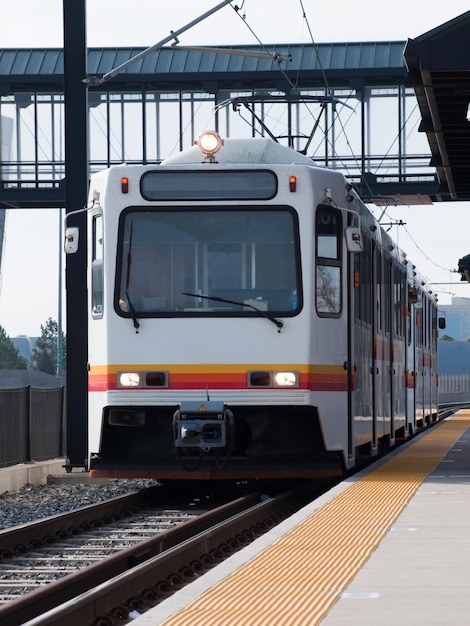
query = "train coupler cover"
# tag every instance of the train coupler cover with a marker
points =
(201, 424)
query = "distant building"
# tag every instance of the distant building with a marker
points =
(24, 345)
(453, 358)
(457, 315)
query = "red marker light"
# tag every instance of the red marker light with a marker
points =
(292, 183)
(125, 184)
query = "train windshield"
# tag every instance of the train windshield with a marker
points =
(220, 262)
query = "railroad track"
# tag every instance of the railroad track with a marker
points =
(98, 564)
(129, 565)
(44, 556)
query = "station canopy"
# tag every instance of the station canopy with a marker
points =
(438, 65)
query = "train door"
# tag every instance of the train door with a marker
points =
(428, 378)
(375, 322)
(350, 364)
(331, 328)
(384, 342)
(364, 331)
(379, 344)
(411, 361)
(387, 380)
(425, 348)
(434, 374)
(419, 361)
(398, 374)
(426, 390)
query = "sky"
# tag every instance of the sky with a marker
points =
(435, 237)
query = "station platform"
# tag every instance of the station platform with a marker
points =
(15, 477)
(389, 546)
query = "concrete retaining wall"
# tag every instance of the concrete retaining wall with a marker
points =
(16, 477)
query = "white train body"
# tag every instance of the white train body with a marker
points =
(242, 324)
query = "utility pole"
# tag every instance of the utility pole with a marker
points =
(76, 191)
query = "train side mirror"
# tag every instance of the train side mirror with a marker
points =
(354, 239)
(71, 240)
(441, 323)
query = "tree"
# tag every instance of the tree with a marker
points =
(10, 358)
(446, 338)
(44, 357)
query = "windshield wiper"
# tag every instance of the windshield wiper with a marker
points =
(128, 270)
(272, 319)
(132, 312)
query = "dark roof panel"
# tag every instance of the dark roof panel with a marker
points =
(439, 71)
(6, 60)
(52, 62)
(34, 62)
(327, 56)
(19, 62)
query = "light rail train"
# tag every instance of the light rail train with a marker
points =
(248, 318)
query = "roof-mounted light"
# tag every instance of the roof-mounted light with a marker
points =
(209, 143)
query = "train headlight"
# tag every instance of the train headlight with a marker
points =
(209, 143)
(273, 379)
(286, 379)
(155, 379)
(260, 379)
(129, 379)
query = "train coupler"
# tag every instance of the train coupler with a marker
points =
(203, 425)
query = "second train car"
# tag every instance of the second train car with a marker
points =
(248, 318)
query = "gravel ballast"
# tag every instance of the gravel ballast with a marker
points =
(33, 503)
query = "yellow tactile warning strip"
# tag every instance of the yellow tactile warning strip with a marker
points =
(297, 579)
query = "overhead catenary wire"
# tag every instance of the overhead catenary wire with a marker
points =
(343, 129)
(304, 16)
(336, 117)
(396, 138)
(262, 45)
(294, 85)
(446, 269)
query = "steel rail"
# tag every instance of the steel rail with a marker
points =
(139, 577)
(45, 598)
(27, 536)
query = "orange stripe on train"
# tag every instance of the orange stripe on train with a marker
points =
(316, 378)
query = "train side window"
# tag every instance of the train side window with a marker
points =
(358, 283)
(363, 275)
(97, 267)
(419, 320)
(387, 301)
(399, 290)
(328, 261)
(367, 280)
